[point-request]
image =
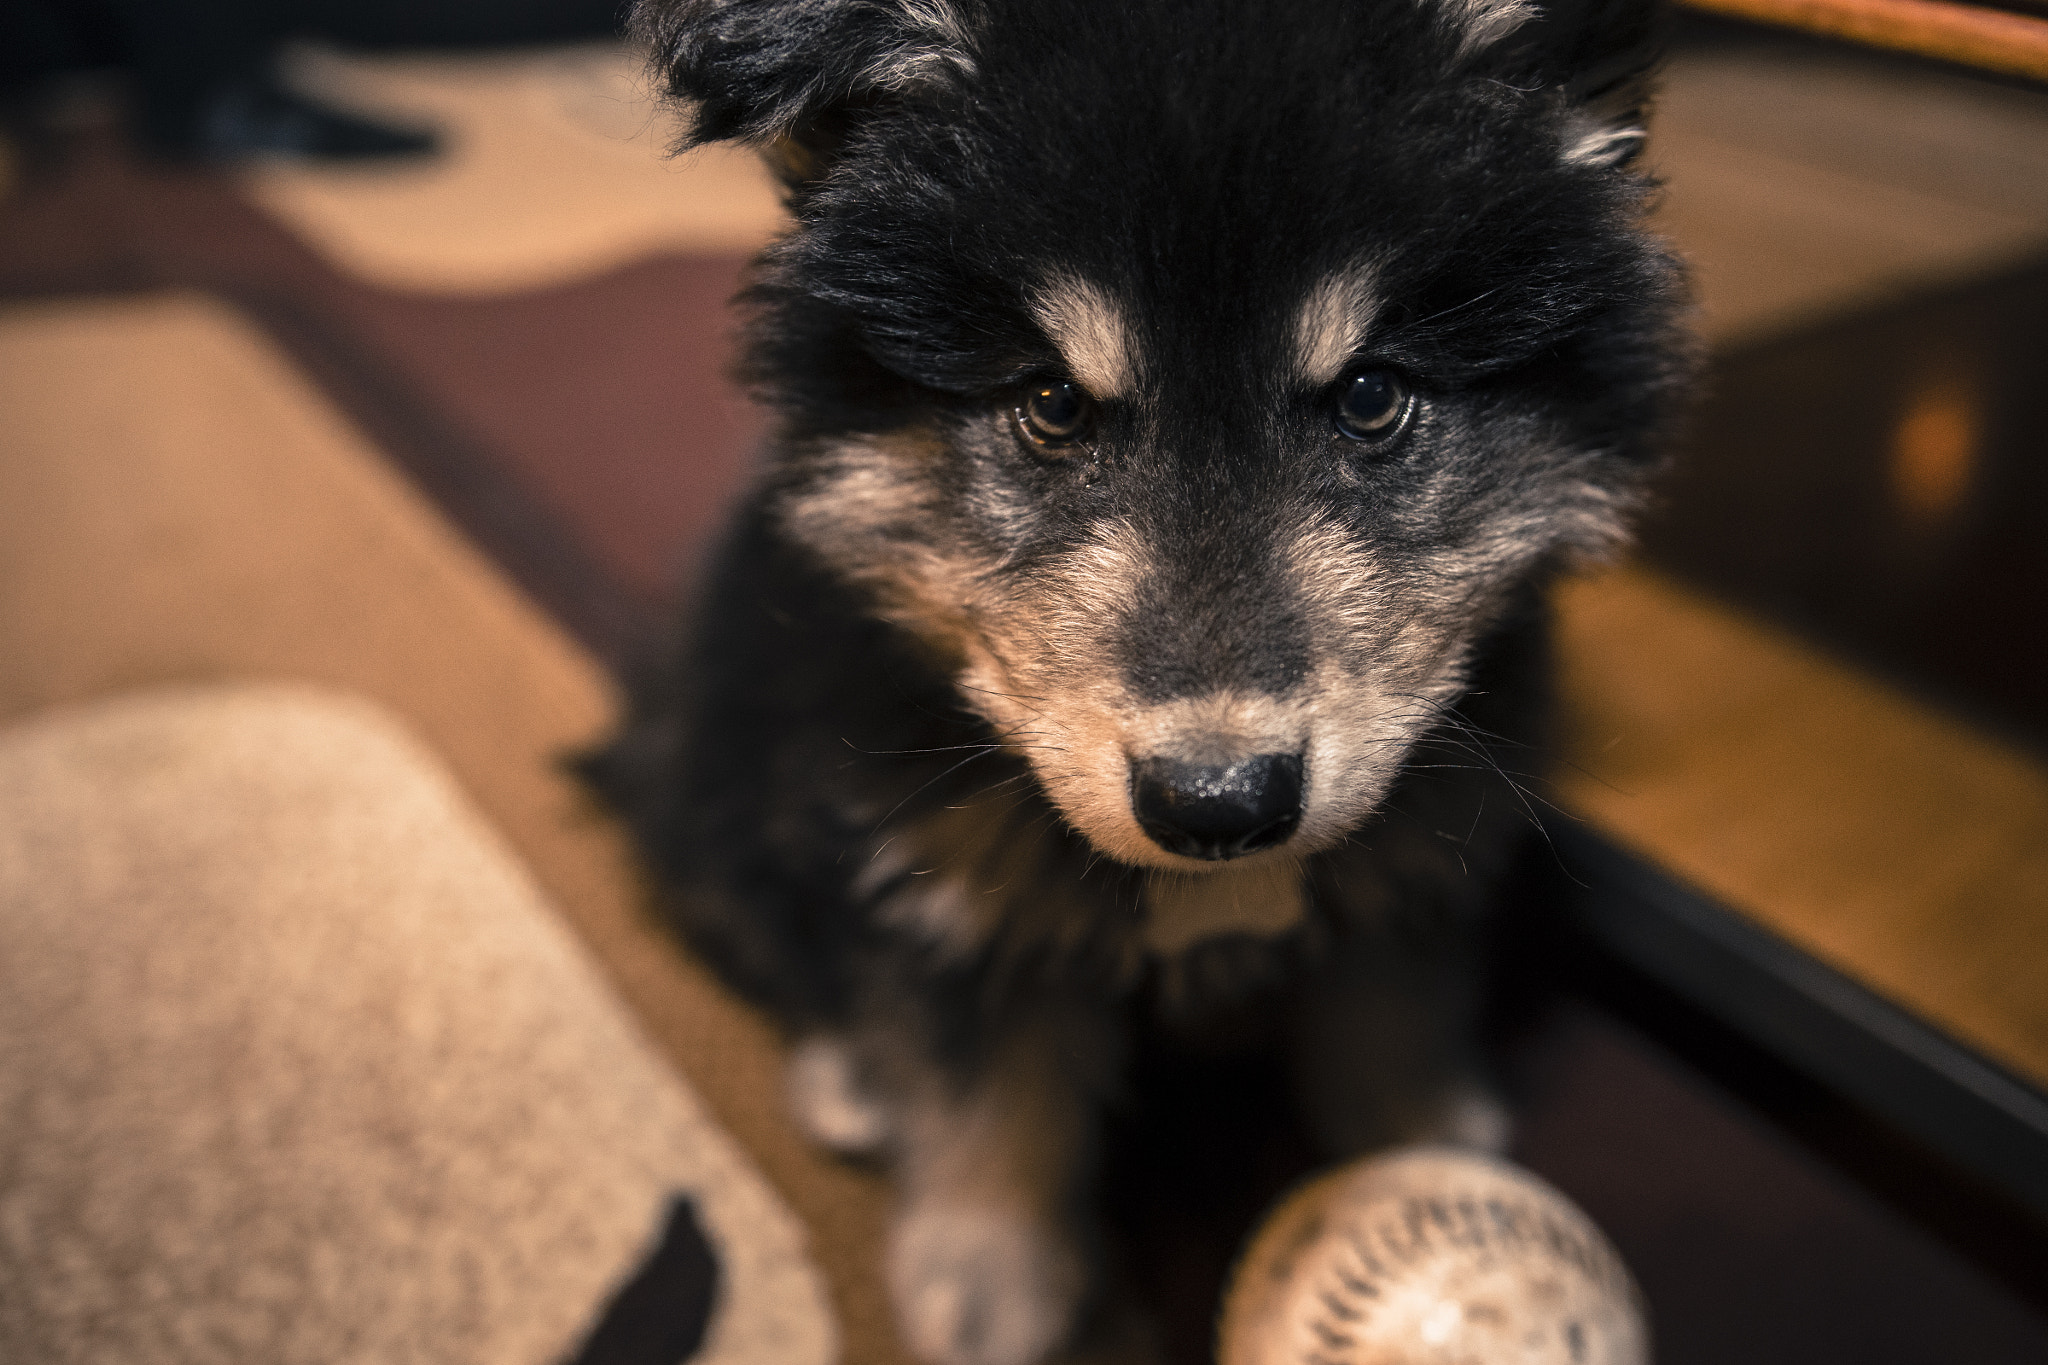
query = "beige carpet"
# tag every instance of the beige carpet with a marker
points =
(181, 506)
(301, 1066)
(554, 171)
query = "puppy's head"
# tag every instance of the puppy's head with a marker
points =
(1199, 378)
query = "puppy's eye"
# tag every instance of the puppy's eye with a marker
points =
(1372, 404)
(1056, 412)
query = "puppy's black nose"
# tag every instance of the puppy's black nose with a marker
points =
(1214, 813)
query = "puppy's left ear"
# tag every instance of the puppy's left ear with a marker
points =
(1602, 56)
(767, 70)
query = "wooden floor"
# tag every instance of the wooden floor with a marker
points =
(1890, 841)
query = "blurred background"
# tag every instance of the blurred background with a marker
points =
(381, 346)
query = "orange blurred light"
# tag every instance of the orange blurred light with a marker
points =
(1935, 449)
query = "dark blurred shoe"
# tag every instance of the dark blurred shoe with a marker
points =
(42, 124)
(261, 119)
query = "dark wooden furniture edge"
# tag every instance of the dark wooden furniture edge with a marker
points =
(1943, 1133)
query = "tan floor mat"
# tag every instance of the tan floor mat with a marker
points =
(176, 504)
(302, 1067)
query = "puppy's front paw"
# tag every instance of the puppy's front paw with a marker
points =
(981, 1286)
(829, 1100)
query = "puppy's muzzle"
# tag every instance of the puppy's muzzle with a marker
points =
(1216, 813)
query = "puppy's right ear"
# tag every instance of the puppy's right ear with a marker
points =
(765, 70)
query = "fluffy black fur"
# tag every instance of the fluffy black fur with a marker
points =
(833, 748)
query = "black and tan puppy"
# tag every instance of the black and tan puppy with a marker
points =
(1182, 404)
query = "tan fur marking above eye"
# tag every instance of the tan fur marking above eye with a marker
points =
(1332, 324)
(1094, 339)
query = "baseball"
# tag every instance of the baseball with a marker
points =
(1431, 1256)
